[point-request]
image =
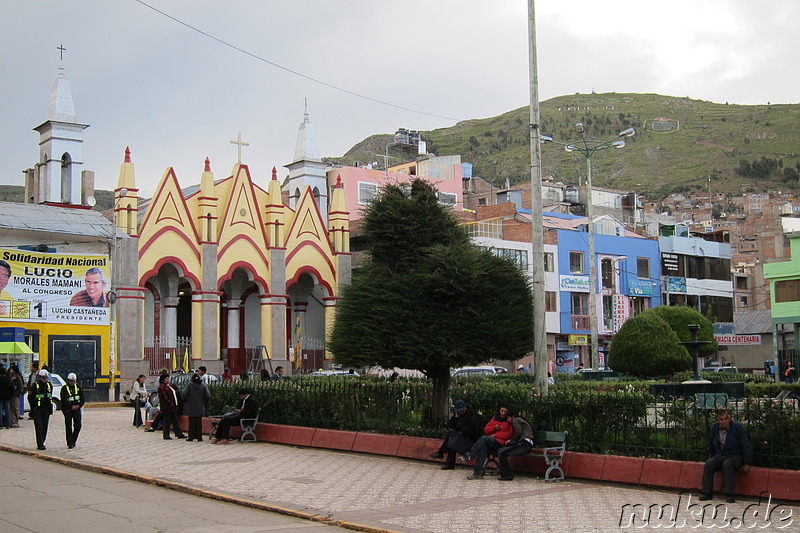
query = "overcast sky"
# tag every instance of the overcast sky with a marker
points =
(175, 96)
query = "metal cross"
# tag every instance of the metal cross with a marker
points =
(240, 143)
(61, 47)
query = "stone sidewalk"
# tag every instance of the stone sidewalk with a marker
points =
(377, 493)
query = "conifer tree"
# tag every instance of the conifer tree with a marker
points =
(427, 298)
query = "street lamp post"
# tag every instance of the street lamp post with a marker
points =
(587, 148)
(112, 297)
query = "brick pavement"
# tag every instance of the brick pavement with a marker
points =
(370, 492)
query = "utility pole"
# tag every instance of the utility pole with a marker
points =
(540, 362)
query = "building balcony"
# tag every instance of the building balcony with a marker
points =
(581, 322)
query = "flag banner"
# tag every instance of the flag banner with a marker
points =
(54, 288)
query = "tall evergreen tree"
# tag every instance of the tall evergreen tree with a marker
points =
(427, 298)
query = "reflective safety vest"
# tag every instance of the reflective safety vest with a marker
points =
(40, 397)
(72, 395)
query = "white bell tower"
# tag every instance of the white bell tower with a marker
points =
(58, 172)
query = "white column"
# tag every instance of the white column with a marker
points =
(234, 317)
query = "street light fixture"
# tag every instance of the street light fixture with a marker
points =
(587, 148)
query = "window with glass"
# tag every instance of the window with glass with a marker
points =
(787, 291)
(580, 303)
(607, 273)
(576, 263)
(366, 192)
(549, 262)
(550, 298)
(608, 311)
(643, 267)
(638, 305)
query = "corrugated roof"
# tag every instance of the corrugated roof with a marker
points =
(53, 219)
(753, 322)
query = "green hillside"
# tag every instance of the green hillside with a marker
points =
(16, 193)
(679, 144)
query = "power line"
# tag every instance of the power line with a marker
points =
(286, 69)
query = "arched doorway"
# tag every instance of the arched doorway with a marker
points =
(167, 320)
(306, 323)
(240, 313)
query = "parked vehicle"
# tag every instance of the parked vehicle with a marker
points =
(333, 373)
(721, 369)
(469, 371)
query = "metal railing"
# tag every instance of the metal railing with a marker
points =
(617, 422)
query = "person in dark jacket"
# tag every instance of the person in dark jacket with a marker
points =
(71, 402)
(17, 387)
(5, 398)
(40, 401)
(195, 397)
(729, 450)
(168, 405)
(247, 408)
(465, 429)
(520, 444)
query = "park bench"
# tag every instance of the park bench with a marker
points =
(247, 425)
(553, 446)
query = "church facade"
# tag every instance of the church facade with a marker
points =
(226, 273)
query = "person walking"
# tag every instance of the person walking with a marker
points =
(168, 404)
(195, 397)
(5, 398)
(16, 393)
(72, 401)
(139, 398)
(40, 400)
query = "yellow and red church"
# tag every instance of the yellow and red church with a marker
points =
(231, 272)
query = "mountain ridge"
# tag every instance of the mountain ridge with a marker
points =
(681, 144)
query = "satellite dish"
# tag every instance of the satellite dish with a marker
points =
(90, 201)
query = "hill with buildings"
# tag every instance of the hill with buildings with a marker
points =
(681, 144)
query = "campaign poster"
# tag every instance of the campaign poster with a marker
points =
(54, 288)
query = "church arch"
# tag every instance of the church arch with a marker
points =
(66, 178)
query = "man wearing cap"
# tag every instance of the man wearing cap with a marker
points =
(71, 402)
(40, 402)
(465, 429)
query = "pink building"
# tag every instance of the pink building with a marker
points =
(361, 184)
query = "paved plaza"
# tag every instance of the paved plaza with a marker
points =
(376, 493)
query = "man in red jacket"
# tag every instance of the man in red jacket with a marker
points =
(497, 432)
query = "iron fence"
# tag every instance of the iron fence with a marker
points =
(627, 421)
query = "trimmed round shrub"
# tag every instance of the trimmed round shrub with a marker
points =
(679, 317)
(646, 346)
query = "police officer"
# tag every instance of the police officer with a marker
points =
(71, 403)
(39, 400)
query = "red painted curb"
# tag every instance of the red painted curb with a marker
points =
(781, 484)
(622, 469)
(660, 473)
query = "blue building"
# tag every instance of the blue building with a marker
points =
(628, 268)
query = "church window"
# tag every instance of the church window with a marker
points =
(66, 179)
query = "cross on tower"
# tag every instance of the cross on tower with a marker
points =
(61, 47)
(239, 142)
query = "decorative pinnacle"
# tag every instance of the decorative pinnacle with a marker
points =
(274, 173)
(339, 182)
(127, 154)
(208, 166)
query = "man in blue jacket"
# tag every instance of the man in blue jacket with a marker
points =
(729, 450)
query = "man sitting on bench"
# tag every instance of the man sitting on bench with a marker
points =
(520, 444)
(247, 408)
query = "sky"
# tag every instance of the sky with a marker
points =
(175, 95)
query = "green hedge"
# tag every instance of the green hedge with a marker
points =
(619, 418)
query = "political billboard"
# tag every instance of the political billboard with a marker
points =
(54, 288)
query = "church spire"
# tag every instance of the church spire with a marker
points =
(305, 149)
(57, 176)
